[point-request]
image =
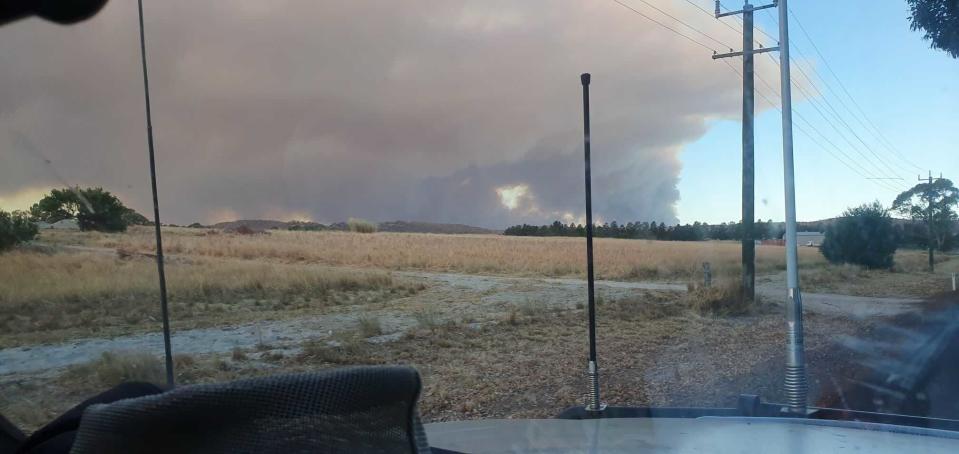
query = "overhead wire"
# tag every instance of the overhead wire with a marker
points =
(645, 2)
(881, 138)
(855, 167)
(861, 170)
(822, 100)
(890, 170)
(852, 166)
(687, 37)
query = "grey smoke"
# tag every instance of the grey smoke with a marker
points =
(383, 110)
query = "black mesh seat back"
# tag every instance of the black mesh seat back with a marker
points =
(360, 409)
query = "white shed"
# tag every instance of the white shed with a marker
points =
(810, 238)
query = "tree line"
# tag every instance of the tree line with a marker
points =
(696, 231)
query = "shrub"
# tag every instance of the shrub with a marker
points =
(113, 368)
(369, 326)
(360, 225)
(863, 236)
(722, 299)
(15, 228)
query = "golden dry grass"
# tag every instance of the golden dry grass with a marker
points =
(47, 297)
(475, 254)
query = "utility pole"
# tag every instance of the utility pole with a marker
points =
(795, 384)
(749, 168)
(930, 237)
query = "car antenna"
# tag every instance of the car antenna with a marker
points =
(593, 404)
(164, 312)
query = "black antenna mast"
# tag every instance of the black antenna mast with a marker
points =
(594, 404)
(168, 352)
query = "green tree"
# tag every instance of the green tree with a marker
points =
(939, 21)
(864, 236)
(94, 209)
(15, 228)
(131, 217)
(931, 203)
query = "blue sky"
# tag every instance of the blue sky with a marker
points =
(907, 89)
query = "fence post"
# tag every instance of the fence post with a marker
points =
(708, 276)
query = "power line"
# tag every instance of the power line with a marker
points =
(878, 131)
(838, 131)
(879, 182)
(835, 112)
(838, 117)
(712, 16)
(682, 22)
(688, 38)
(738, 19)
(868, 175)
(825, 100)
(852, 167)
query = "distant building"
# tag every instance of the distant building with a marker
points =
(810, 238)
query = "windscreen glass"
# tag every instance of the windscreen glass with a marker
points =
(369, 183)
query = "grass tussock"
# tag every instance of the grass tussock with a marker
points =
(721, 299)
(113, 368)
(427, 318)
(361, 225)
(369, 326)
(349, 349)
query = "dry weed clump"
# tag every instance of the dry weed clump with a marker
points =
(721, 299)
(113, 368)
(369, 325)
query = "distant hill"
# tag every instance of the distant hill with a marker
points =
(431, 227)
(392, 226)
(254, 224)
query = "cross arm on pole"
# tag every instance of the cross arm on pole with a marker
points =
(735, 13)
(737, 54)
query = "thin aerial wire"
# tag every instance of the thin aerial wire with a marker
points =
(854, 167)
(812, 83)
(684, 23)
(878, 182)
(687, 37)
(862, 171)
(842, 86)
(835, 114)
(851, 167)
(740, 21)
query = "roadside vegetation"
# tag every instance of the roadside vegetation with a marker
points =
(46, 296)
(15, 228)
(651, 354)
(616, 259)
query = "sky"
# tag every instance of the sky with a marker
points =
(461, 111)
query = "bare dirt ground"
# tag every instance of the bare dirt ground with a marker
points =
(487, 346)
(449, 297)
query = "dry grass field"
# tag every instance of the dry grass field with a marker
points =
(615, 259)
(509, 356)
(52, 296)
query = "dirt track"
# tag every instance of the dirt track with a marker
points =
(459, 297)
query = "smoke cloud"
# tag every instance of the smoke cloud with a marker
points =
(448, 111)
